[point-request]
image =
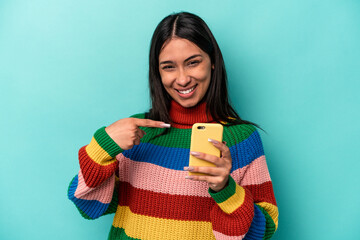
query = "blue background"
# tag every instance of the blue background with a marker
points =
(70, 67)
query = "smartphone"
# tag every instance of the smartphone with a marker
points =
(200, 134)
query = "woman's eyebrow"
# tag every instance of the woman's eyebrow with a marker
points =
(191, 57)
(165, 62)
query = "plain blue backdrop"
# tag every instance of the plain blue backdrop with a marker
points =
(70, 67)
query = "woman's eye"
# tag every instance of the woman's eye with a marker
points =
(193, 63)
(167, 67)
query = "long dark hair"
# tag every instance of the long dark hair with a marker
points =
(191, 27)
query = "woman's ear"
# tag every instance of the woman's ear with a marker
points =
(213, 66)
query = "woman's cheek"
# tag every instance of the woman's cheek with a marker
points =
(166, 79)
(200, 75)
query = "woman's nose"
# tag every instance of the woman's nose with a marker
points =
(183, 79)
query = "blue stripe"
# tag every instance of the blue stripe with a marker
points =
(257, 228)
(92, 208)
(242, 153)
(246, 151)
(172, 158)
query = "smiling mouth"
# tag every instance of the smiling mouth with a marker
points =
(186, 91)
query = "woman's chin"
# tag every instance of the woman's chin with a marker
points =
(187, 103)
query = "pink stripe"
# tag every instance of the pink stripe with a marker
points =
(148, 176)
(254, 174)
(220, 236)
(103, 193)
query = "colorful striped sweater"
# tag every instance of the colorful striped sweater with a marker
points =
(146, 187)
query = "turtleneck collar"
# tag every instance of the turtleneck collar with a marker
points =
(182, 117)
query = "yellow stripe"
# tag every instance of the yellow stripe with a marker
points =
(98, 154)
(272, 210)
(235, 201)
(145, 227)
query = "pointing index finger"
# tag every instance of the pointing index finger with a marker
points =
(151, 123)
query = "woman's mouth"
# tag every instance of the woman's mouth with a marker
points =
(187, 92)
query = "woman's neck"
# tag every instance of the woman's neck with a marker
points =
(182, 117)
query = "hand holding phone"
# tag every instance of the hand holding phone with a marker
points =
(200, 134)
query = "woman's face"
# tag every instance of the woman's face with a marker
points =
(185, 71)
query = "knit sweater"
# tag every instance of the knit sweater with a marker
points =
(146, 187)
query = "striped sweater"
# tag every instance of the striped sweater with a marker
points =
(146, 187)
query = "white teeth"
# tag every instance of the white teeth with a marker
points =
(187, 91)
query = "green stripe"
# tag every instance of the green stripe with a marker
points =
(180, 138)
(84, 215)
(118, 233)
(270, 225)
(224, 194)
(237, 133)
(176, 138)
(106, 142)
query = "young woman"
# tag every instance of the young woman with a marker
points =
(138, 167)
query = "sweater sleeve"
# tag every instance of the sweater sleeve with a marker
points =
(93, 189)
(246, 208)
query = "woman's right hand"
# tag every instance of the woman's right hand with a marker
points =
(126, 132)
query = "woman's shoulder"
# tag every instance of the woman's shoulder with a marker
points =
(241, 132)
(241, 128)
(245, 137)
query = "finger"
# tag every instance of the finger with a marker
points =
(213, 180)
(140, 133)
(138, 136)
(137, 141)
(212, 171)
(225, 151)
(207, 157)
(150, 123)
(199, 178)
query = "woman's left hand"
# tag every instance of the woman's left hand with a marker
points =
(217, 177)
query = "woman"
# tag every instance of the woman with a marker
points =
(138, 167)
